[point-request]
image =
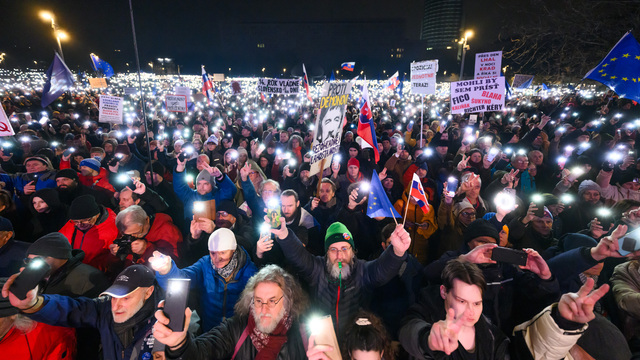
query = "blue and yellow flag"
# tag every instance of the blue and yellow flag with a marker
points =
(378, 203)
(620, 69)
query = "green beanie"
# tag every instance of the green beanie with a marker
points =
(337, 232)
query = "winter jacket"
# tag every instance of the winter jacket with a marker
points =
(162, 228)
(217, 296)
(614, 192)
(355, 291)
(220, 343)
(11, 255)
(101, 180)
(626, 290)
(96, 313)
(95, 242)
(414, 334)
(17, 182)
(75, 279)
(224, 190)
(43, 342)
(419, 236)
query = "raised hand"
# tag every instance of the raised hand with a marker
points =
(536, 264)
(382, 174)
(400, 240)
(282, 232)
(140, 187)
(317, 352)
(578, 307)
(160, 263)
(444, 334)
(30, 188)
(244, 171)
(264, 244)
(163, 334)
(29, 301)
(480, 254)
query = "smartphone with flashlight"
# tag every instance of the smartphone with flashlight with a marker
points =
(605, 218)
(492, 154)
(35, 271)
(68, 152)
(508, 255)
(325, 334)
(363, 190)
(452, 186)
(274, 216)
(175, 302)
(204, 210)
(539, 203)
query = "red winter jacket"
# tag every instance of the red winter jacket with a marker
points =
(101, 180)
(44, 342)
(164, 229)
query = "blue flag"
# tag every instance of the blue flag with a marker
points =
(400, 86)
(101, 65)
(620, 69)
(544, 86)
(333, 77)
(378, 203)
(507, 87)
(59, 79)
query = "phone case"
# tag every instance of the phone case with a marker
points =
(629, 243)
(511, 256)
(326, 335)
(274, 216)
(29, 278)
(176, 302)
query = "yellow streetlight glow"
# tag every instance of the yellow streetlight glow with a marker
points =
(62, 35)
(468, 33)
(46, 15)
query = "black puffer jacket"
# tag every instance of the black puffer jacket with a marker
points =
(76, 279)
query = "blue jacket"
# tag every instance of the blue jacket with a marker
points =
(217, 297)
(46, 179)
(96, 313)
(224, 190)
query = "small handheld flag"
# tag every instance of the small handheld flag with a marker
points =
(306, 83)
(393, 82)
(207, 86)
(349, 66)
(59, 79)
(101, 65)
(378, 204)
(366, 129)
(418, 193)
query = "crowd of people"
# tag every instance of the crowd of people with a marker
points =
(531, 218)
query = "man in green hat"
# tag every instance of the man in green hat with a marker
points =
(341, 282)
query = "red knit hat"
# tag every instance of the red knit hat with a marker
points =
(354, 162)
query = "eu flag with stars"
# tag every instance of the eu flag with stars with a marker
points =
(101, 65)
(378, 204)
(59, 80)
(620, 69)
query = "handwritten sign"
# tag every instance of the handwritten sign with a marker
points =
(111, 109)
(278, 86)
(479, 95)
(488, 64)
(423, 77)
(176, 103)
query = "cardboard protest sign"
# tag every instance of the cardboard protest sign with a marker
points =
(423, 77)
(488, 64)
(98, 83)
(130, 91)
(218, 77)
(480, 95)
(111, 109)
(182, 90)
(5, 124)
(176, 103)
(278, 86)
(329, 121)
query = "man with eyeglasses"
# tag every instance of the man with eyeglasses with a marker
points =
(218, 277)
(341, 282)
(91, 228)
(266, 324)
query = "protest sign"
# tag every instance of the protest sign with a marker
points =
(218, 77)
(111, 109)
(521, 81)
(130, 91)
(98, 83)
(329, 121)
(176, 103)
(182, 90)
(488, 65)
(479, 95)
(5, 124)
(423, 77)
(278, 86)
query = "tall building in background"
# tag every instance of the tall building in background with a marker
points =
(441, 23)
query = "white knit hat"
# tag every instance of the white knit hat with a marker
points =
(222, 239)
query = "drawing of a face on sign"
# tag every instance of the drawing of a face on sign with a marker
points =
(329, 124)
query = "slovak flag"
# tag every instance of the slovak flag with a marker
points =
(418, 193)
(349, 66)
(207, 86)
(393, 82)
(305, 81)
(366, 130)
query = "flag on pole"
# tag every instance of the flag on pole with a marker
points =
(207, 86)
(332, 78)
(5, 125)
(101, 65)
(349, 66)
(305, 81)
(400, 86)
(393, 82)
(59, 79)
(620, 69)
(378, 204)
(366, 130)
(418, 193)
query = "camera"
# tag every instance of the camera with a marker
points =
(124, 246)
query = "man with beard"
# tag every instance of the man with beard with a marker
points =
(91, 228)
(266, 324)
(325, 206)
(341, 282)
(123, 317)
(303, 184)
(584, 210)
(91, 173)
(218, 277)
(69, 188)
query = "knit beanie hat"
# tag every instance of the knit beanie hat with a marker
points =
(588, 185)
(205, 175)
(91, 163)
(354, 162)
(212, 139)
(54, 244)
(68, 173)
(460, 207)
(5, 224)
(222, 239)
(478, 228)
(83, 207)
(337, 232)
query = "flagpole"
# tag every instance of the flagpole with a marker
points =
(421, 118)
(144, 110)
(406, 210)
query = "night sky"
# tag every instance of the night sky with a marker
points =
(196, 32)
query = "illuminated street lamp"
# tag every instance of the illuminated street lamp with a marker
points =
(57, 32)
(467, 35)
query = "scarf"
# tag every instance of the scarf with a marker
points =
(127, 329)
(226, 270)
(269, 345)
(359, 178)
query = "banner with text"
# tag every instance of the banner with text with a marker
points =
(98, 83)
(480, 95)
(111, 109)
(176, 103)
(329, 121)
(182, 90)
(279, 86)
(488, 64)
(130, 91)
(423, 77)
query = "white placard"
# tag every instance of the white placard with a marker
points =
(479, 95)
(488, 64)
(111, 109)
(130, 91)
(423, 77)
(176, 103)
(278, 86)
(182, 90)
